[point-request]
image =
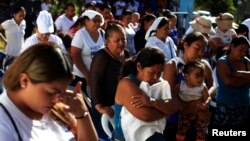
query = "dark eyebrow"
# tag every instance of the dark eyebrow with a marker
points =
(57, 90)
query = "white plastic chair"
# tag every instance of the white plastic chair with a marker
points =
(105, 120)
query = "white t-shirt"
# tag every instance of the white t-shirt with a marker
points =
(168, 47)
(247, 23)
(45, 129)
(188, 94)
(135, 129)
(134, 7)
(226, 37)
(34, 40)
(118, 4)
(83, 41)
(63, 24)
(130, 33)
(14, 35)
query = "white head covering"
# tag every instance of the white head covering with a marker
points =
(45, 22)
(91, 14)
(153, 26)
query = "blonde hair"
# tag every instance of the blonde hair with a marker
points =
(43, 62)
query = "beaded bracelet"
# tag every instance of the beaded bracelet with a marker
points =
(83, 115)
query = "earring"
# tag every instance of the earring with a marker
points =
(23, 85)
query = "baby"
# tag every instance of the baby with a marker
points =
(194, 94)
(131, 125)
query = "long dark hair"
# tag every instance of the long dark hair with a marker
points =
(147, 57)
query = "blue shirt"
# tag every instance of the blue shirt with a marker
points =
(232, 95)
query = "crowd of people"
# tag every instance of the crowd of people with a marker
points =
(134, 67)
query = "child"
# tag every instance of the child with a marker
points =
(157, 91)
(194, 94)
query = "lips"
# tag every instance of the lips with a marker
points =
(50, 106)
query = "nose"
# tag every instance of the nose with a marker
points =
(156, 77)
(44, 37)
(245, 52)
(45, 34)
(122, 42)
(56, 98)
(200, 54)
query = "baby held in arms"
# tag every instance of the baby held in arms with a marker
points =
(157, 91)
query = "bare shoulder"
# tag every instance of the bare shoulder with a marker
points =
(170, 62)
(170, 73)
(170, 66)
(205, 62)
(125, 82)
(125, 90)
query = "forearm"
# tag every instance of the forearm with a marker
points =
(212, 91)
(149, 114)
(96, 91)
(237, 81)
(3, 38)
(101, 109)
(167, 107)
(206, 97)
(76, 106)
(82, 67)
(142, 108)
(86, 130)
(243, 74)
(207, 100)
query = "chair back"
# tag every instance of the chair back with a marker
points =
(106, 120)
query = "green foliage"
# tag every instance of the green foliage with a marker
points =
(216, 6)
(58, 5)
